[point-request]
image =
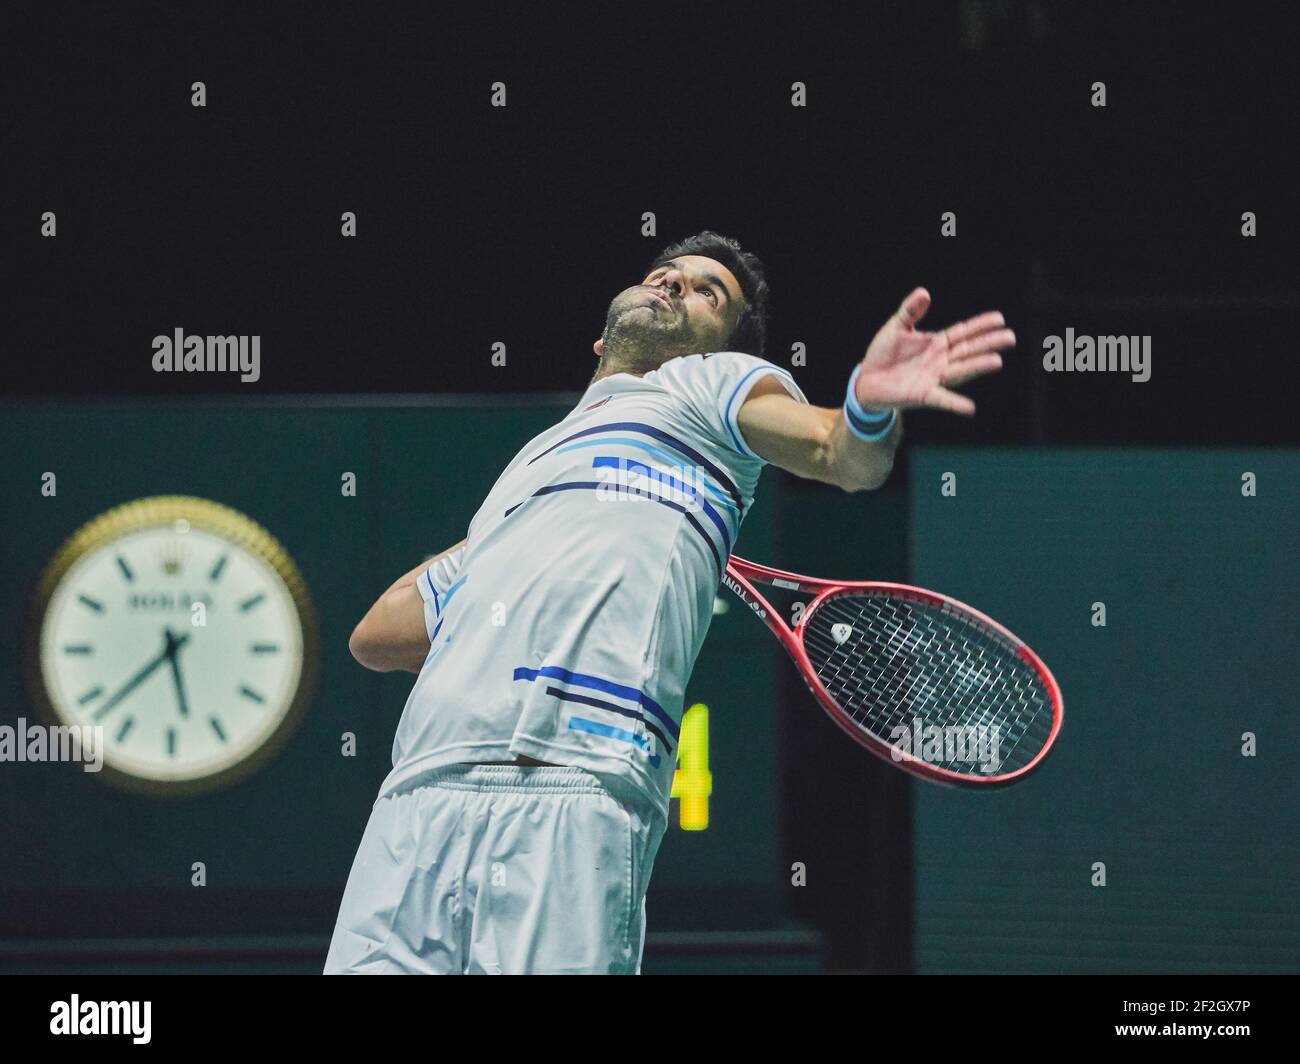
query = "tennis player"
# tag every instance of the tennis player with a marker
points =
(533, 762)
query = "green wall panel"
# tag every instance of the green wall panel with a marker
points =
(1202, 591)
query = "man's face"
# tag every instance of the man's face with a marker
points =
(688, 305)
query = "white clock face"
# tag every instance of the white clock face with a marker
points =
(183, 645)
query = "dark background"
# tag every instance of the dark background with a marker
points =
(478, 225)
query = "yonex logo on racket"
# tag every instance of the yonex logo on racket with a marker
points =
(735, 587)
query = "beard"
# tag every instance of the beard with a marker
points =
(639, 338)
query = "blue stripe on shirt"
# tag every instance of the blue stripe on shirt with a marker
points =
(610, 707)
(663, 437)
(582, 724)
(672, 460)
(591, 485)
(597, 683)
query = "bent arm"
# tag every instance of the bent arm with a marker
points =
(814, 441)
(392, 636)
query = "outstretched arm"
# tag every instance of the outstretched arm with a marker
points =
(814, 441)
(392, 635)
(904, 368)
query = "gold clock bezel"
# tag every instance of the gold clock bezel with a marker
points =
(157, 511)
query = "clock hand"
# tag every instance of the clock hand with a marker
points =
(135, 681)
(173, 646)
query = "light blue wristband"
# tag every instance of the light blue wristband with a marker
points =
(865, 425)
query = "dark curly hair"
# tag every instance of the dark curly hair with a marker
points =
(750, 333)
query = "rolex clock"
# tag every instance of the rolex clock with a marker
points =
(183, 630)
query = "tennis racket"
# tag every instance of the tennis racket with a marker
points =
(918, 678)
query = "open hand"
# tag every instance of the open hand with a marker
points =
(905, 367)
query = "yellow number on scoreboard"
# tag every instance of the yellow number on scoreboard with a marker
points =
(692, 782)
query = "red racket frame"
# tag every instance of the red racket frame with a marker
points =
(739, 578)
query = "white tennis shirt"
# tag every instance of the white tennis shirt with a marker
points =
(587, 582)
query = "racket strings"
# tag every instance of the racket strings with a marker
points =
(902, 667)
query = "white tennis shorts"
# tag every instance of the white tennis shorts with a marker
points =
(499, 869)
